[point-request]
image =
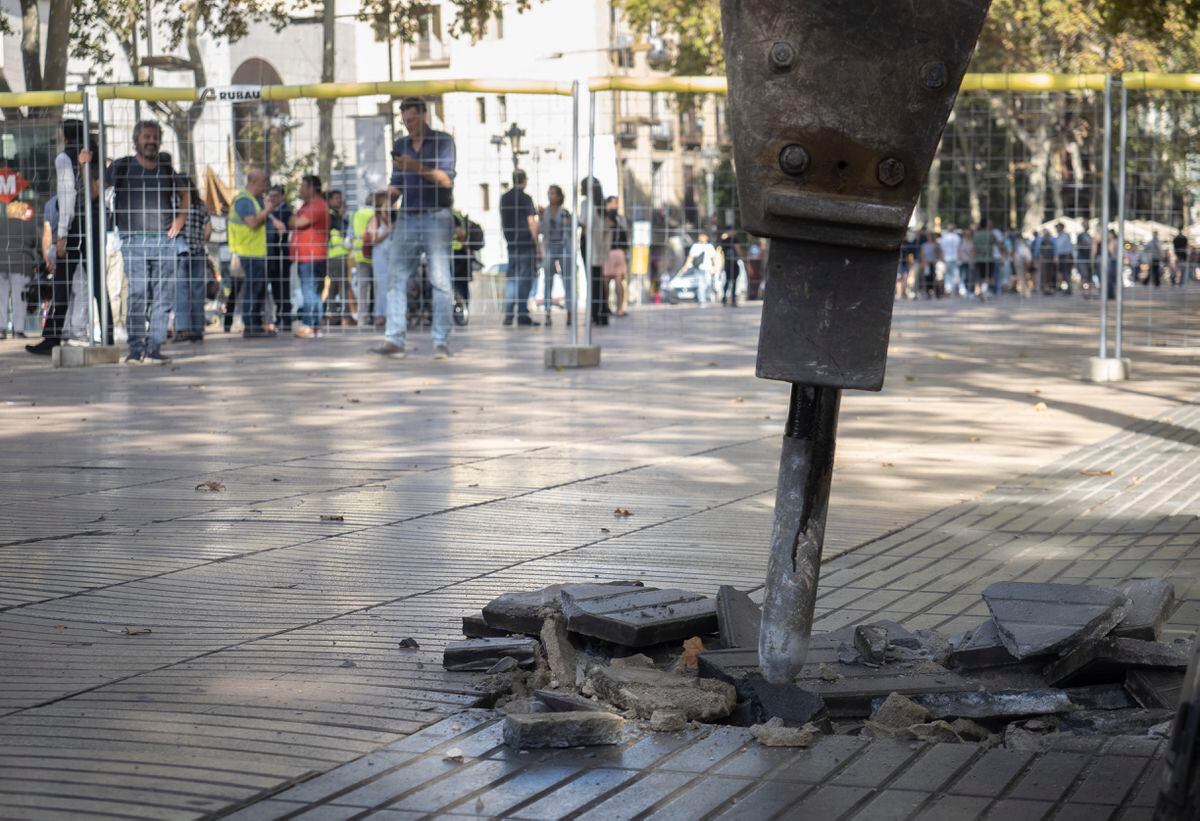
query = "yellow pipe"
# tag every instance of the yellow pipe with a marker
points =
(40, 99)
(1150, 81)
(1033, 82)
(677, 85)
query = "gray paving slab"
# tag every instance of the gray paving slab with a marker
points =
(272, 655)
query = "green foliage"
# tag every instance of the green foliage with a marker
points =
(1020, 35)
(401, 19)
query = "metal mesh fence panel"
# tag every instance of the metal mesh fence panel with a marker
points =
(1161, 234)
(42, 244)
(1012, 204)
(434, 215)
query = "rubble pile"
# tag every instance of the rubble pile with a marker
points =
(570, 664)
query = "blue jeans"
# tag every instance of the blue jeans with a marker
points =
(428, 232)
(518, 282)
(150, 264)
(254, 293)
(312, 277)
(560, 263)
(189, 294)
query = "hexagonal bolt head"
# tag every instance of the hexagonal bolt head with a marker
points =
(793, 159)
(890, 172)
(783, 55)
(933, 75)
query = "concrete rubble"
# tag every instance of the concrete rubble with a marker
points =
(1054, 668)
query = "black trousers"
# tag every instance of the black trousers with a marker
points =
(60, 296)
(598, 295)
(279, 286)
(236, 285)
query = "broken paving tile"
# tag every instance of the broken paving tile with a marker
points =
(775, 733)
(983, 648)
(792, 705)
(520, 612)
(994, 705)
(561, 655)
(897, 634)
(871, 641)
(738, 618)
(482, 654)
(561, 702)
(935, 732)
(668, 721)
(474, 627)
(897, 712)
(1107, 660)
(645, 691)
(1114, 722)
(1150, 604)
(1155, 689)
(533, 731)
(641, 618)
(851, 692)
(1101, 697)
(1037, 618)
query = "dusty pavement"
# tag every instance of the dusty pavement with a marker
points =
(174, 650)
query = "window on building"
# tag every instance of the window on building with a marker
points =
(429, 34)
(502, 107)
(497, 25)
(485, 196)
(481, 106)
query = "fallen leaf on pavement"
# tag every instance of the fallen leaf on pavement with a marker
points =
(1040, 407)
(330, 518)
(211, 486)
(409, 644)
(973, 439)
(738, 399)
(621, 511)
(887, 464)
(941, 356)
(605, 530)
(1098, 472)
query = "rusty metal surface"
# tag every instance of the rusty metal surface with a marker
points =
(837, 107)
(827, 315)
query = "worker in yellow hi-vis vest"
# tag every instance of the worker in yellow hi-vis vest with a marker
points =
(363, 277)
(339, 297)
(248, 241)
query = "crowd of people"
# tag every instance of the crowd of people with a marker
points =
(983, 261)
(357, 267)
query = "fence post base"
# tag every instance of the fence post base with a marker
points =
(573, 356)
(71, 356)
(1106, 369)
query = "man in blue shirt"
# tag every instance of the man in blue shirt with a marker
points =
(518, 218)
(423, 178)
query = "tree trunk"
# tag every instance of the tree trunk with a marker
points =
(31, 45)
(1039, 144)
(325, 107)
(932, 191)
(968, 166)
(183, 120)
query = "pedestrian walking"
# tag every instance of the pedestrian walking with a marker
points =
(949, 245)
(279, 260)
(1179, 245)
(68, 231)
(557, 251)
(19, 236)
(518, 218)
(362, 280)
(1064, 258)
(1152, 251)
(616, 267)
(248, 218)
(423, 176)
(930, 254)
(150, 207)
(727, 244)
(194, 273)
(339, 302)
(310, 251)
(594, 244)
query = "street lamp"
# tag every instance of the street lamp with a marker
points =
(514, 135)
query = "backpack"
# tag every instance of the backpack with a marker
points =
(474, 241)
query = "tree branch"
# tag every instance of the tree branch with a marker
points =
(31, 44)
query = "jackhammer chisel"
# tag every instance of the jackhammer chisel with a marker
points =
(836, 109)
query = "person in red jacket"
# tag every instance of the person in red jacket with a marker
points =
(310, 250)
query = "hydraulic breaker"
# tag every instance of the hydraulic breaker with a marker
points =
(836, 109)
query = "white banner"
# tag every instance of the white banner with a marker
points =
(372, 156)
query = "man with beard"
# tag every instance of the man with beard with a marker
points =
(150, 206)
